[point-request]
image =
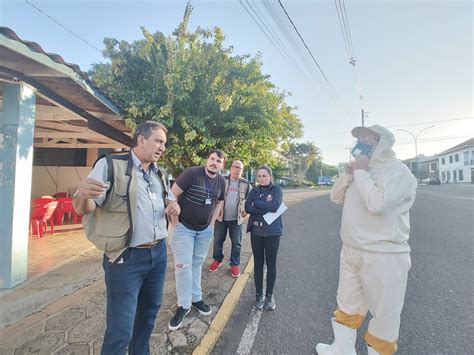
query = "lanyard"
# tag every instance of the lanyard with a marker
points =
(209, 188)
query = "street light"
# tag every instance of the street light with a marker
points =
(415, 137)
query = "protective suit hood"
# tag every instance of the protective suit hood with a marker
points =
(383, 151)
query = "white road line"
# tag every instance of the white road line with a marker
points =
(248, 337)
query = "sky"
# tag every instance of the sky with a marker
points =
(414, 61)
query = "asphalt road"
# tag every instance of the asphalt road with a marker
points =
(438, 313)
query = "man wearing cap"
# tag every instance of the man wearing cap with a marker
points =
(377, 191)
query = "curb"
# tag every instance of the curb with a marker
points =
(225, 311)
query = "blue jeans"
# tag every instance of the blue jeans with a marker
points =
(189, 249)
(134, 293)
(235, 235)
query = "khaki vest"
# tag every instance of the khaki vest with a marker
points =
(244, 188)
(110, 226)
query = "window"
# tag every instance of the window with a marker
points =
(448, 177)
(455, 176)
(461, 174)
(433, 166)
(443, 161)
(456, 157)
(59, 157)
(450, 158)
(443, 176)
(466, 158)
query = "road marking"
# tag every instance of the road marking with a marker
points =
(250, 331)
(224, 313)
(248, 337)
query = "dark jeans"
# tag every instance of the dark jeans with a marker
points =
(235, 234)
(265, 250)
(134, 293)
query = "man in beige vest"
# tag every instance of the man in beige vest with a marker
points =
(231, 218)
(125, 200)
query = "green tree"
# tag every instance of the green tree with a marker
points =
(318, 168)
(206, 96)
(300, 157)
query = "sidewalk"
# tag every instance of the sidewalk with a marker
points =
(75, 322)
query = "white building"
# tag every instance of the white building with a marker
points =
(457, 163)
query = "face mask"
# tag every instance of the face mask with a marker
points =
(363, 148)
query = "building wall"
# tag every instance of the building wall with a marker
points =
(457, 171)
(47, 180)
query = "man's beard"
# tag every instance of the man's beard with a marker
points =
(213, 173)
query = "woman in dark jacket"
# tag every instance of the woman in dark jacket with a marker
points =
(265, 238)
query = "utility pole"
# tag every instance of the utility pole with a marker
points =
(415, 137)
(364, 115)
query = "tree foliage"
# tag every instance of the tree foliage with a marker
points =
(206, 96)
(300, 156)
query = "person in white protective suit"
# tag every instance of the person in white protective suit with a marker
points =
(377, 191)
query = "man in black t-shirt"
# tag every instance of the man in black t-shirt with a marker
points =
(200, 193)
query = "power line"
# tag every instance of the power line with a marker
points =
(403, 125)
(64, 27)
(311, 54)
(279, 48)
(427, 140)
(347, 38)
(275, 38)
(281, 23)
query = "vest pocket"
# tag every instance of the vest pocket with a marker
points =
(118, 198)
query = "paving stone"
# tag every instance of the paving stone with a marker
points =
(94, 310)
(177, 339)
(97, 345)
(159, 344)
(46, 343)
(73, 349)
(169, 277)
(86, 331)
(24, 336)
(5, 351)
(226, 285)
(162, 321)
(99, 297)
(196, 331)
(66, 319)
(170, 287)
(169, 302)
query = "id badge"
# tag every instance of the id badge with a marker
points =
(208, 201)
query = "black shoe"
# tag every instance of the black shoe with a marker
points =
(177, 320)
(203, 308)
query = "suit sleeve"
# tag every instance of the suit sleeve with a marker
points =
(383, 197)
(338, 191)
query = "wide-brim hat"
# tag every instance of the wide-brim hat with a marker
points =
(361, 130)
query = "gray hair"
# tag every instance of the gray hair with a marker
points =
(145, 129)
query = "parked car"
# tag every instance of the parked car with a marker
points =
(430, 181)
(434, 181)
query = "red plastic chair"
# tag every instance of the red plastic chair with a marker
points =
(40, 218)
(65, 208)
(41, 201)
(59, 195)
